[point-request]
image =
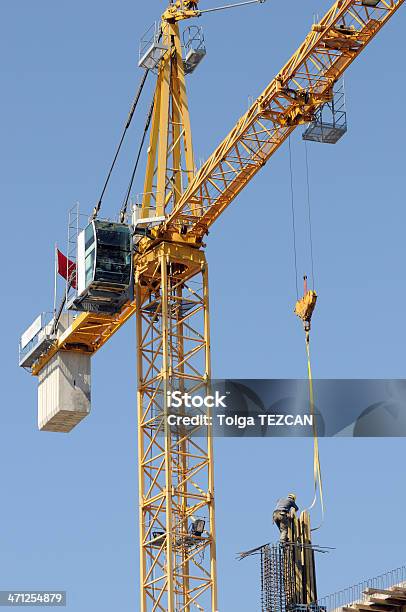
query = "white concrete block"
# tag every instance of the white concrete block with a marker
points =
(64, 387)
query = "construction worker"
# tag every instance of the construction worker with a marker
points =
(282, 513)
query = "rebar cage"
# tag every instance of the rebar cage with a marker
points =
(288, 576)
(277, 578)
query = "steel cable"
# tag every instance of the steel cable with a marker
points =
(128, 193)
(293, 216)
(120, 144)
(309, 214)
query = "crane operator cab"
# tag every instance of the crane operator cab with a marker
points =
(104, 268)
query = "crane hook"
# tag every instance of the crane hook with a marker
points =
(305, 306)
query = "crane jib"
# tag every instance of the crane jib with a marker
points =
(330, 47)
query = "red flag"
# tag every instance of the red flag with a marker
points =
(66, 268)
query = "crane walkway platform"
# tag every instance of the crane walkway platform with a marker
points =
(87, 334)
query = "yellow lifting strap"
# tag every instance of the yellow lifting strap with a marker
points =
(304, 310)
(316, 457)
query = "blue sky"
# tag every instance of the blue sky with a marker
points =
(69, 503)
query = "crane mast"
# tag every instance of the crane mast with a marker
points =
(176, 470)
(170, 139)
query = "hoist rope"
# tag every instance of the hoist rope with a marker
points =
(292, 201)
(120, 144)
(128, 193)
(318, 483)
(309, 213)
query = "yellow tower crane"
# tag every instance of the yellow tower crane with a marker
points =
(171, 295)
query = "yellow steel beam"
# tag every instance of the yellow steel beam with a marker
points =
(181, 10)
(149, 194)
(87, 334)
(170, 164)
(161, 171)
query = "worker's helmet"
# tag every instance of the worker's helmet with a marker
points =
(292, 496)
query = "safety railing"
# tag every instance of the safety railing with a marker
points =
(41, 333)
(151, 48)
(356, 592)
